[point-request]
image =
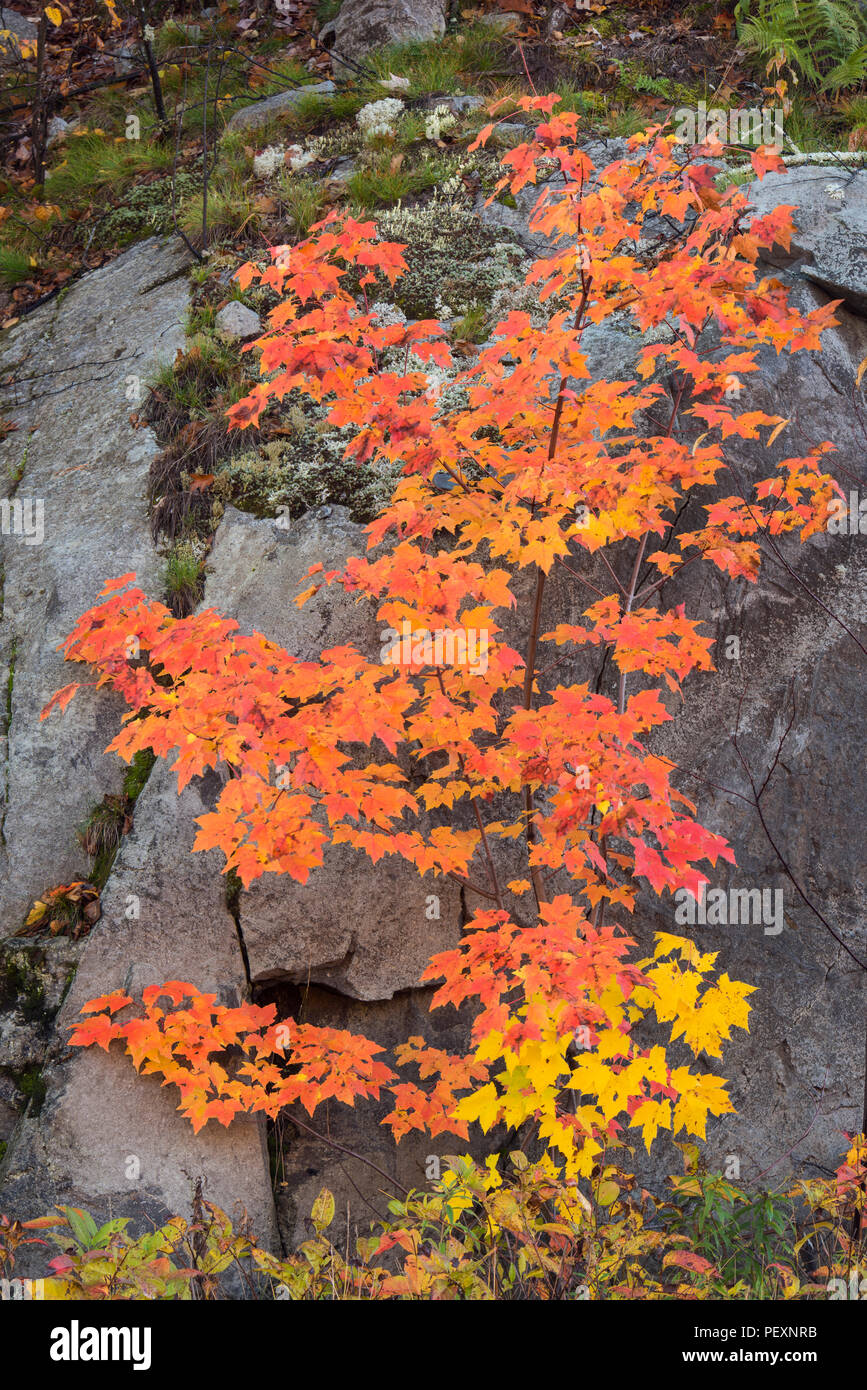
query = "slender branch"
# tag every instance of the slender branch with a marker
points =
(757, 794)
(333, 1144)
(151, 61)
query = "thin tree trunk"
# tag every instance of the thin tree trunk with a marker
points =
(151, 61)
(39, 122)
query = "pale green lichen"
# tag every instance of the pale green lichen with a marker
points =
(304, 471)
(438, 282)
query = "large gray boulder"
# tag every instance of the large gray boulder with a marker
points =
(74, 475)
(797, 1078)
(366, 26)
(830, 244)
(261, 112)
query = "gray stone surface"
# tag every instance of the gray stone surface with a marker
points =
(365, 26)
(72, 372)
(105, 1138)
(830, 245)
(797, 1078)
(17, 24)
(361, 928)
(503, 21)
(237, 322)
(250, 117)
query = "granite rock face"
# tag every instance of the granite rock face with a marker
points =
(74, 475)
(363, 929)
(105, 1138)
(830, 244)
(789, 679)
(785, 648)
(798, 1079)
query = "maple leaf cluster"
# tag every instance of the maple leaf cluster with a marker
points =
(550, 468)
(228, 1060)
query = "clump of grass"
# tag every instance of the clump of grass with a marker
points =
(808, 128)
(187, 408)
(105, 827)
(386, 180)
(304, 200)
(442, 65)
(473, 326)
(108, 822)
(102, 833)
(232, 210)
(15, 267)
(627, 120)
(183, 578)
(378, 185)
(855, 111)
(95, 164)
(208, 369)
(234, 153)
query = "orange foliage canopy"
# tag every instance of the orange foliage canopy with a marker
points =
(549, 467)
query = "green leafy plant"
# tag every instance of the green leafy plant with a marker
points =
(744, 1234)
(821, 41)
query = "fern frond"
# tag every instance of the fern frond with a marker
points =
(848, 73)
(821, 39)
